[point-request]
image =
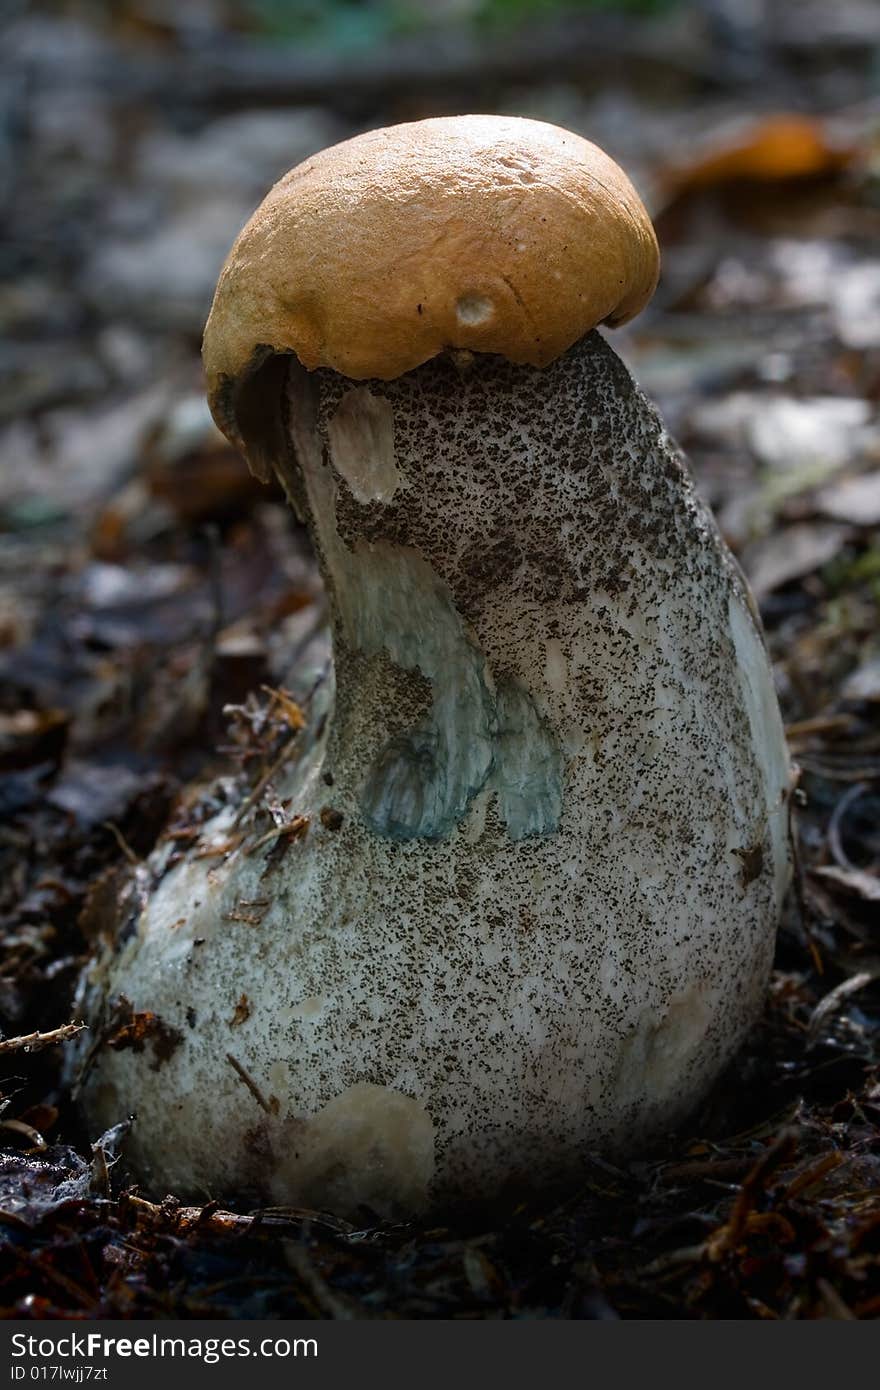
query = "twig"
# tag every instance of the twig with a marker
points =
(813, 1174)
(250, 1083)
(728, 1236)
(294, 830)
(122, 842)
(286, 752)
(183, 1220)
(218, 1221)
(33, 1042)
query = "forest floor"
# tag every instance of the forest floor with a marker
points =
(147, 583)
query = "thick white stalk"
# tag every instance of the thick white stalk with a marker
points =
(546, 916)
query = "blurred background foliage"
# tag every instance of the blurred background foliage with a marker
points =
(352, 22)
(344, 23)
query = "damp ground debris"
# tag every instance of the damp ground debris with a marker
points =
(155, 602)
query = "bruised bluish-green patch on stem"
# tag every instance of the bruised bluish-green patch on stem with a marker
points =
(527, 774)
(423, 781)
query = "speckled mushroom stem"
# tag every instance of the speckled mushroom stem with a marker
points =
(542, 914)
(523, 585)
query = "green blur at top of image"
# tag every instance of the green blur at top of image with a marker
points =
(362, 23)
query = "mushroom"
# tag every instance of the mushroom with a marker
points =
(541, 805)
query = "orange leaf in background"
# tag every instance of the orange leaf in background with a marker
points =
(774, 149)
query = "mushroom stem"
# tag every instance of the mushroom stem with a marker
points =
(533, 906)
(512, 556)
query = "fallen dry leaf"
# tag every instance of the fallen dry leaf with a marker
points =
(774, 149)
